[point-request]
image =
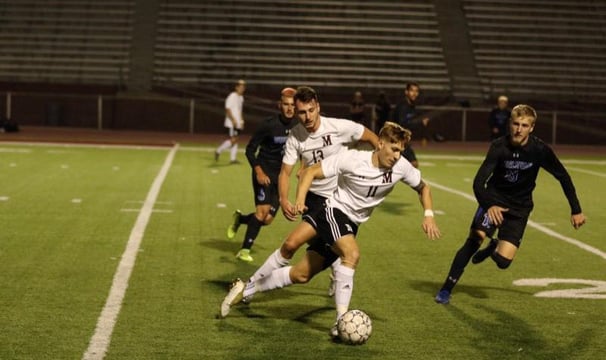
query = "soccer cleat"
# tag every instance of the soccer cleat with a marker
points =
(334, 331)
(244, 255)
(233, 228)
(216, 156)
(332, 287)
(483, 254)
(443, 297)
(235, 162)
(233, 297)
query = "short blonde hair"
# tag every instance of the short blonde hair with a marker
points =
(523, 110)
(394, 133)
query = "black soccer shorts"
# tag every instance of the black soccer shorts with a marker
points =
(331, 224)
(511, 230)
(266, 195)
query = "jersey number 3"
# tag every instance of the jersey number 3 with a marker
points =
(318, 155)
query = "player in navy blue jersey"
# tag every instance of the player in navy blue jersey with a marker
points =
(503, 187)
(264, 153)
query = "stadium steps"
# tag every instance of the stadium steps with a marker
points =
(322, 43)
(65, 41)
(540, 48)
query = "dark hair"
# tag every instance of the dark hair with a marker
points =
(306, 94)
(411, 84)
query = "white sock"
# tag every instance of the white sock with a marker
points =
(344, 279)
(278, 279)
(273, 262)
(335, 265)
(234, 152)
(226, 144)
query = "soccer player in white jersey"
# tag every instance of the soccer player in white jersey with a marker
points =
(234, 121)
(316, 138)
(364, 180)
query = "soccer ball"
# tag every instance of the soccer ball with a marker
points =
(354, 327)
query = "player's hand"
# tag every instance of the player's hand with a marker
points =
(262, 178)
(577, 220)
(431, 228)
(300, 207)
(288, 210)
(495, 215)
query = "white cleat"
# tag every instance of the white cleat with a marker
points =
(233, 297)
(334, 331)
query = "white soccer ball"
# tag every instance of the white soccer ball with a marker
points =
(354, 327)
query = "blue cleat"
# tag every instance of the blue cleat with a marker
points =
(443, 297)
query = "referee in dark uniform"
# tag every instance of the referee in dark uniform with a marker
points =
(503, 187)
(264, 153)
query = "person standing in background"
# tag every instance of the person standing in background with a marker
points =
(234, 121)
(380, 112)
(356, 108)
(499, 118)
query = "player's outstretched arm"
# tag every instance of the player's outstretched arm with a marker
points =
(307, 176)
(577, 220)
(283, 189)
(429, 225)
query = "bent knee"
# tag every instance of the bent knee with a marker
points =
(501, 261)
(300, 277)
(352, 258)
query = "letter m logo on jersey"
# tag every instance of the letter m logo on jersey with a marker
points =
(326, 140)
(387, 177)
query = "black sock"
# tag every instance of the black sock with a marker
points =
(252, 230)
(460, 261)
(245, 219)
(488, 250)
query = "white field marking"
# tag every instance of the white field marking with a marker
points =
(12, 165)
(596, 289)
(141, 202)
(461, 164)
(430, 164)
(439, 212)
(214, 171)
(64, 166)
(531, 223)
(584, 162)
(57, 152)
(154, 210)
(76, 201)
(99, 342)
(15, 150)
(80, 145)
(116, 168)
(221, 205)
(600, 174)
(4, 198)
(467, 179)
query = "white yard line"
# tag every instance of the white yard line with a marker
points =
(99, 342)
(531, 223)
(600, 174)
(85, 145)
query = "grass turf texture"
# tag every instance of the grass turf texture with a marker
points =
(58, 257)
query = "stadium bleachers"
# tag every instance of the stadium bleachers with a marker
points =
(540, 48)
(378, 44)
(65, 41)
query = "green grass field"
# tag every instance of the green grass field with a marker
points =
(66, 215)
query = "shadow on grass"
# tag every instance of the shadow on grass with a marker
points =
(394, 207)
(478, 292)
(500, 334)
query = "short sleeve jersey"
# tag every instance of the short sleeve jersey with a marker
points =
(234, 103)
(314, 147)
(363, 186)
